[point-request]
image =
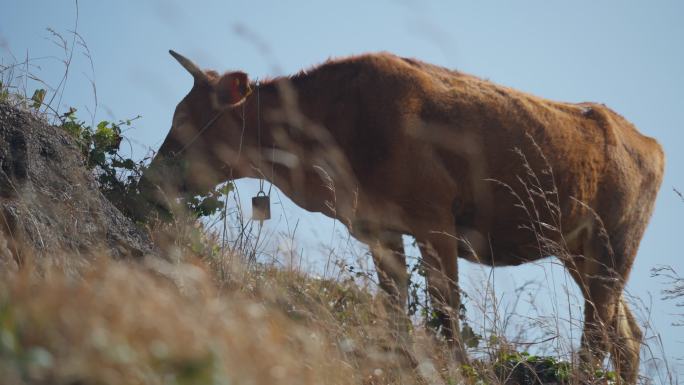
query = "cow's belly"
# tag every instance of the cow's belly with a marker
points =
(503, 246)
(371, 221)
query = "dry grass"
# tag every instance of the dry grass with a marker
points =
(156, 322)
(187, 322)
(118, 323)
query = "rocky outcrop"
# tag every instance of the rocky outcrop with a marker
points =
(49, 201)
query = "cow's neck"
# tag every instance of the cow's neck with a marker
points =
(278, 144)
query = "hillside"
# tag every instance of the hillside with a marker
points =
(49, 202)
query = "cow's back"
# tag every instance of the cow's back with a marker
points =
(538, 162)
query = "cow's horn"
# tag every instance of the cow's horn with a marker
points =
(188, 65)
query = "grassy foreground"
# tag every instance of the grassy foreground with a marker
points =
(160, 323)
(104, 321)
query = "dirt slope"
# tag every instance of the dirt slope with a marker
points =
(49, 201)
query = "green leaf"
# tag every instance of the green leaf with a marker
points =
(4, 92)
(209, 206)
(106, 137)
(225, 189)
(128, 164)
(37, 98)
(70, 115)
(470, 338)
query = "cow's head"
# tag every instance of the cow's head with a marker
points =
(205, 132)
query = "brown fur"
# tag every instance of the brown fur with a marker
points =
(394, 146)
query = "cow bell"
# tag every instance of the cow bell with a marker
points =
(261, 207)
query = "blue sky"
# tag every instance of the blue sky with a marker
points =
(626, 54)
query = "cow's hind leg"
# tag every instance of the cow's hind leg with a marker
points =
(439, 253)
(625, 352)
(609, 326)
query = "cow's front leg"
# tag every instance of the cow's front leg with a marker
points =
(439, 252)
(390, 263)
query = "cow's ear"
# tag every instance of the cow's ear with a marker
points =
(233, 88)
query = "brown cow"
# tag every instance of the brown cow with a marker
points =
(394, 146)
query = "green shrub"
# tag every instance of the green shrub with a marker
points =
(117, 174)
